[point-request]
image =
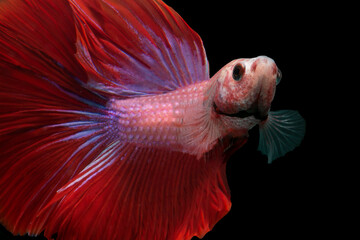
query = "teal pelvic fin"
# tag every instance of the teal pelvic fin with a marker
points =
(280, 133)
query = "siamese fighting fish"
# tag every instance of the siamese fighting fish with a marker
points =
(111, 127)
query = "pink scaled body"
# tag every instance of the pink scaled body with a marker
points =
(171, 120)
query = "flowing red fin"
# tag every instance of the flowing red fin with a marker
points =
(47, 136)
(61, 169)
(133, 47)
(140, 193)
(32, 33)
(43, 144)
(50, 125)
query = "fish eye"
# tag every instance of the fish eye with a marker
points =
(238, 72)
(278, 76)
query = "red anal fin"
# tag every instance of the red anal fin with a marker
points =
(138, 193)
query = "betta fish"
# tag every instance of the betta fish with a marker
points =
(111, 127)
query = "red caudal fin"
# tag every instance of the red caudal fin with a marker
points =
(135, 193)
(49, 123)
(133, 47)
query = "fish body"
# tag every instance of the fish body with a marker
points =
(111, 127)
(165, 121)
(193, 118)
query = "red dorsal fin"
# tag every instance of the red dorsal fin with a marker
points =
(36, 33)
(133, 47)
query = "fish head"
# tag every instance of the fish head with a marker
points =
(246, 87)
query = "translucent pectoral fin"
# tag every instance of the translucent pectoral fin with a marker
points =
(281, 133)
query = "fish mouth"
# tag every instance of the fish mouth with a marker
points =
(243, 113)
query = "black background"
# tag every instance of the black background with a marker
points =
(289, 198)
(286, 199)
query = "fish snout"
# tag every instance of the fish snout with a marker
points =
(267, 75)
(264, 66)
